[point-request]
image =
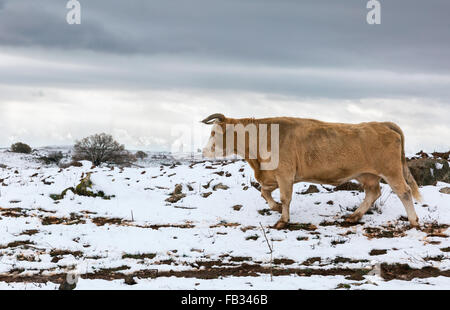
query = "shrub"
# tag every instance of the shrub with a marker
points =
(141, 155)
(20, 147)
(102, 148)
(52, 158)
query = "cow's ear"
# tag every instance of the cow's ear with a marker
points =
(214, 118)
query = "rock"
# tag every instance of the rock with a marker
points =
(237, 207)
(311, 189)
(206, 186)
(445, 156)
(429, 171)
(376, 252)
(220, 186)
(422, 154)
(445, 190)
(129, 280)
(175, 198)
(256, 185)
(206, 195)
(265, 212)
(69, 283)
(82, 189)
(178, 189)
(177, 194)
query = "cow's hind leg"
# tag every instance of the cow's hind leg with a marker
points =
(371, 185)
(401, 188)
(286, 197)
(266, 193)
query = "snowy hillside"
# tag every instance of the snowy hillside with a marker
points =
(142, 231)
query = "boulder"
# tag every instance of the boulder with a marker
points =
(220, 186)
(445, 190)
(311, 190)
(177, 194)
(429, 171)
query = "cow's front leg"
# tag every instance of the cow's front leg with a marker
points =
(286, 197)
(266, 193)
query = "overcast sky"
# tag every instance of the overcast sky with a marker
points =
(143, 69)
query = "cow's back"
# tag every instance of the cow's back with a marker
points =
(332, 153)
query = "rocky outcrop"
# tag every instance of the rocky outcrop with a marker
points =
(445, 190)
(177, 194)
(82, 189)
(429, 171)
(311, 190)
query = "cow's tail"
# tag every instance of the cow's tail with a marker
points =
(406, 172)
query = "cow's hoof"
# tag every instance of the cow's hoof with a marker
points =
(280, 225)
(354, 218)
(414, 225)
(277, 208)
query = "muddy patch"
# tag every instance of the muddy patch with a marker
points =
(217, 269)
(57, 255)
(13, 212)
(301, 226)
(405, 272)
(21, 243)
(343, 224)
(101, 221)
(376, 252)
(73, 220)
(435, 230)
(140, 256)
(385, 232)
(349, 186)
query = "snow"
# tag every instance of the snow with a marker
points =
(197, 229)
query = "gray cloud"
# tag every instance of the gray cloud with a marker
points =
(413, 34)
(47, 68)
(26, 24)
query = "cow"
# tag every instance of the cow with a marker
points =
(323, 153)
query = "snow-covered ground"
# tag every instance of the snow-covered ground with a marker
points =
(210, 239)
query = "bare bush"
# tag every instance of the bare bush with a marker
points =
(102, 148)
(20, 147)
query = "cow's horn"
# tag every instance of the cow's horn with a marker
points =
(210, 119)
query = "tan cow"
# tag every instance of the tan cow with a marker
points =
(324, 153)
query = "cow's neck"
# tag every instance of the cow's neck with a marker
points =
(254, 162)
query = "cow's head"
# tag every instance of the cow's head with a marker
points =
(216, 146)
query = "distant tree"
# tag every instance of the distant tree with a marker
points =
(20, 147)
(102, 148)
(141, 155)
